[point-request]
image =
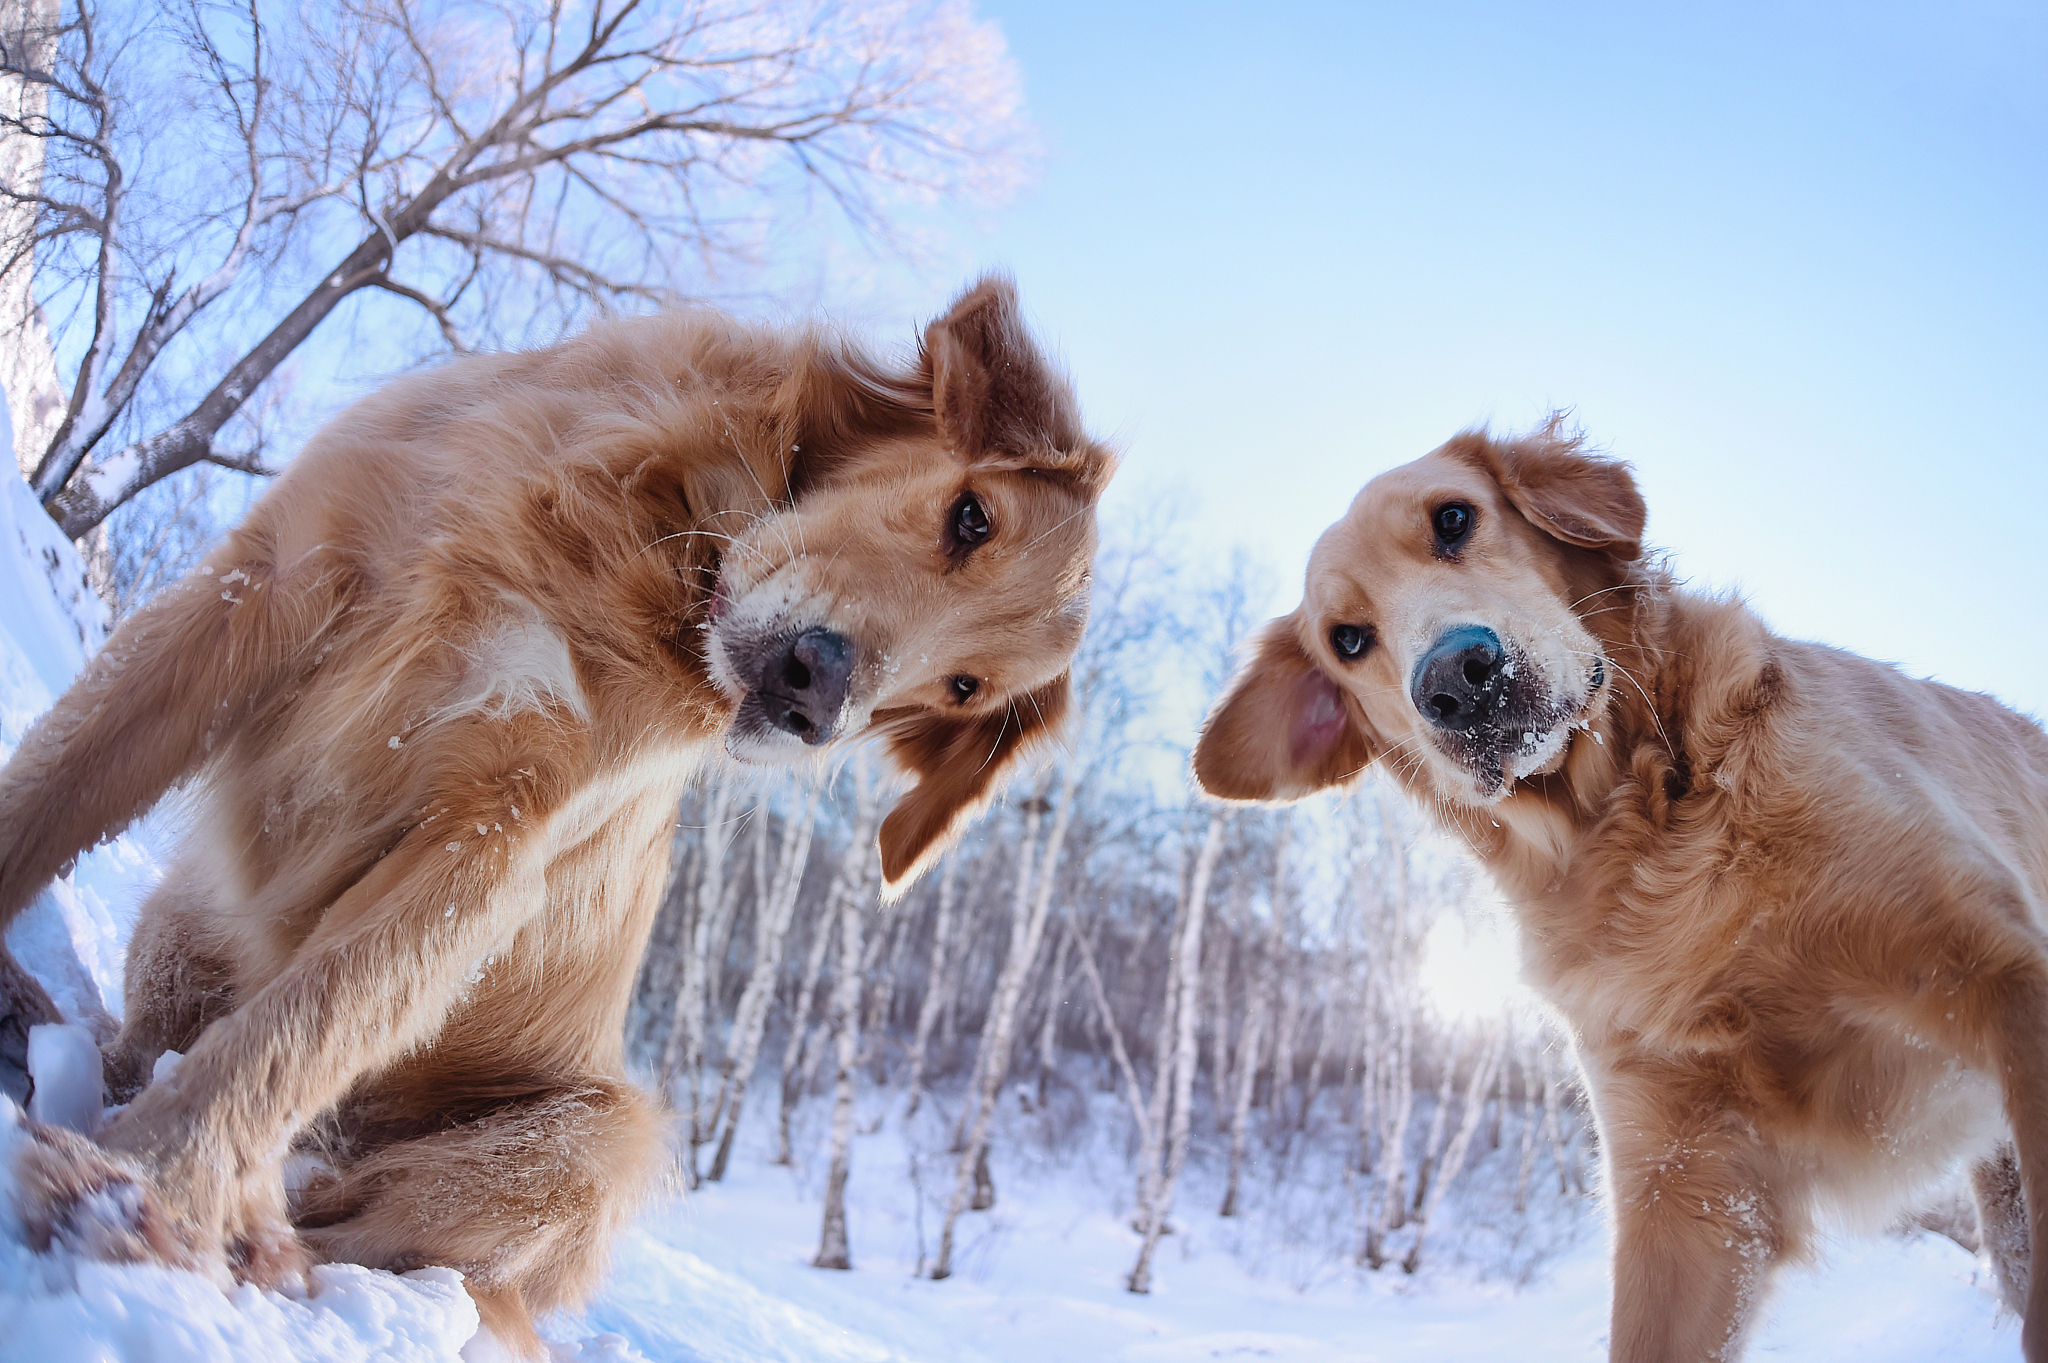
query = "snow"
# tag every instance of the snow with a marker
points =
(64, 1062)
(723, 1276)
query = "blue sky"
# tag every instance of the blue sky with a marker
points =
(1789, 260)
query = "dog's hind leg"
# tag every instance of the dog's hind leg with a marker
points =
(2002, 1223)
(524, 1200)
(2017, 999)
(175, 983)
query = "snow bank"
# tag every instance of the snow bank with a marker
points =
(73, 936)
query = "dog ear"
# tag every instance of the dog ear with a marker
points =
(1284, 729)
(957, 761)
(1571, 495)
(998, 399)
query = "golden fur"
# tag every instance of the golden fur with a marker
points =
(434, 702)
(1790, 901)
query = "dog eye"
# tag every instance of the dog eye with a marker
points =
(964, 687)
(1453, 522)
(969, 522)
(1351, 641)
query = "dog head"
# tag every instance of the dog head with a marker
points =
(1444, 625)
(931, 588)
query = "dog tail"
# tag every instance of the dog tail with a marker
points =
(176, 676)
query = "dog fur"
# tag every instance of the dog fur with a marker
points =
(432, 705)
(1790, 901)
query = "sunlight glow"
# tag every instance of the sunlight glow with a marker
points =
(1471, 963)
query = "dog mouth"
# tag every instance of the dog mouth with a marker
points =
(1495, 715)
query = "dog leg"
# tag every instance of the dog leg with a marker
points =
(373, 981)
(1697, 1224)
(2022, 1016)
(523, 1200)
(184, 668)
(174, 987)
(2002, 1224)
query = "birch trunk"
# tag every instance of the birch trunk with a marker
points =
(1190, 954)
(1454, 1157)
(1433, 1143)
(1530, 1100)
(750, 1020)
(833, 1251)
(800, 1021)
(1133, 1090)
(935, 983)
(1217, 978)
(1280, 963)
(1027, 866)
(1248, 1047)
(1048, 1035)
(685, 1050)
(1027, 930)
(1152, 1154)
(1396, 1100)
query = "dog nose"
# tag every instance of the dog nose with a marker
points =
(804, 684)
(1461, 682)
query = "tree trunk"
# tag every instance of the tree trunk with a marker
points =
(800, 1019)
(1217, 979)
(935, 982)
(1484, 1064)
(1187, 985)
(771, 934)
(1530, 1100)
(832, 1246)
(1027, 929)
(1048, 1035)
(685, 1051)
(1280, 965)
(1152, 1153)
(1396, 1100)
(1250, 1041)
(1133, 1090)
(1433, 1143)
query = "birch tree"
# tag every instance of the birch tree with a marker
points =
(935, 982)
(1186, 989)
(750, 1019)
(1258, 981)
(1487, 1057)
(833, 1250)
(999, 1032)
(222, 178)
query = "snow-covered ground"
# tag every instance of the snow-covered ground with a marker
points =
(723, 1275)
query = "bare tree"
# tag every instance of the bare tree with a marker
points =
(750, 1018)
(833, 1249)
(1486, 1058)
(492, 168)
(1185, 984)
(935, 981)
(1027, 930)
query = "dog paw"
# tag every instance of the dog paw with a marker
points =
(73, 1195)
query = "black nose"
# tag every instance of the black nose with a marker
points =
(803, 684)
(1461, 682)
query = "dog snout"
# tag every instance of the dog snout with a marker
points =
(1461, 682)
(803, 684)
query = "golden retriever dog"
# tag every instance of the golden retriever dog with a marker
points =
(431, 707)
(1790, 901)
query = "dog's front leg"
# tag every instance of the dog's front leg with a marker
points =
(1697, 1220)
(375, 980)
